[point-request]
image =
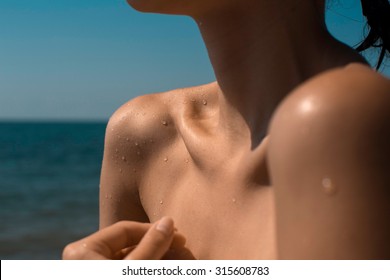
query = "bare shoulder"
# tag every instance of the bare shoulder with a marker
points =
(131, 134)
(142, 118)
(346, 109)
(148, 122)
(329, 160)
(137, 134)
(140, 127)
(355, 96)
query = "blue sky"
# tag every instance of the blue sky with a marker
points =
(81, 59)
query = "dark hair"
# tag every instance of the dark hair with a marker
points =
(377, 13)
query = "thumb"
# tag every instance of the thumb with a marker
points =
(156, 241)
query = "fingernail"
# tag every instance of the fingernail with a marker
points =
(165, 225)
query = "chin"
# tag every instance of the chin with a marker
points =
(178, 7)
(150, 6)
(138, 5)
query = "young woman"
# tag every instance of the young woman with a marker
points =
(285, 156)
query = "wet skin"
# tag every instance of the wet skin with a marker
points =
(213, 187)
(285, 156)
(219, 190)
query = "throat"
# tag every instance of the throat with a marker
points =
(261, 51)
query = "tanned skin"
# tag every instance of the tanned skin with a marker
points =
(285, 156)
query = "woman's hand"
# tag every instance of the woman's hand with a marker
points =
(131, 240)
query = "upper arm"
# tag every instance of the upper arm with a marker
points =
(329, 156)
(127, 150)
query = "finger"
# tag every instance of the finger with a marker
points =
(177, 243)
(156, 241)
(120, 255)
(108, 241)
(76, 251)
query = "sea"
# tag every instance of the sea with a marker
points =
(49, 186)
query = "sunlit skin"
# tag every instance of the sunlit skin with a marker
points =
(286, 155)
(130, 240)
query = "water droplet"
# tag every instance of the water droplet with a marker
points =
(127, 139)
(234, 200)
(187, 160)
(106, 196)
(204, 102)
(124, 158)
(84, 245)
(328, 186)
(166, 159)
(139, 153)
(164, 122)
(120, 170)
(136, 143)
(154, 213)
(116, 151)
(161, 202)
(192, 99)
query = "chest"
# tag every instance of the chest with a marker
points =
(225, 211)
(210, 177)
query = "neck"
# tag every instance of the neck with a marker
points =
(260, 51)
